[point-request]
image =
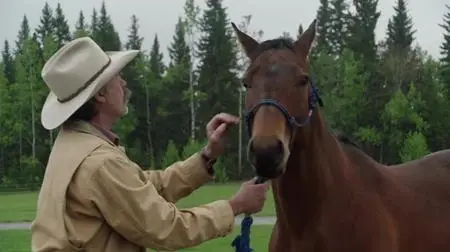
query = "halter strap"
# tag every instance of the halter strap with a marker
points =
(293, 122)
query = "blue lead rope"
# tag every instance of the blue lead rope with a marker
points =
(242, 242)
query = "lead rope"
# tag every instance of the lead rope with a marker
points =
(242, 242)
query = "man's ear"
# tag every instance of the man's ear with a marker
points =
(247, 42)
(100, 95)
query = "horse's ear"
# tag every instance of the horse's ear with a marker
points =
(304, 43)
(247, 42)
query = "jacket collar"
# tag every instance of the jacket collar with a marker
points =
(92, 129)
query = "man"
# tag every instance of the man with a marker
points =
(93, 198)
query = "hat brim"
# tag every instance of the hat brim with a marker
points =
(54, 113)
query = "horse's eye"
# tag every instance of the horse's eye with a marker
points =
(303, 80)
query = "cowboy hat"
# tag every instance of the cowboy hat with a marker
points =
(74, 74)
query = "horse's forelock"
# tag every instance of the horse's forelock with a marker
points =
(279, 43)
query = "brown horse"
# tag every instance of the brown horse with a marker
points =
(330, 195)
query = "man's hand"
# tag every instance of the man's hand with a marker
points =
(250, 198)
(216, 131)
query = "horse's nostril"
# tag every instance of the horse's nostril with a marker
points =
(266, 155)
(275, 149)
(279, 146)
(266, 148)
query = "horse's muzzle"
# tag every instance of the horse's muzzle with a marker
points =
(266, 154)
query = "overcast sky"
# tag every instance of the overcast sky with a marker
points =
(160, 16)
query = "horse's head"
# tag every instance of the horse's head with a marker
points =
(279, 98)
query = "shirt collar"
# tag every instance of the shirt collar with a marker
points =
(108, 133)
(91, 128)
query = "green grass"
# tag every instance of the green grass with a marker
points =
(16, 207)
(19, 241)
(21, 206)
(15, 240)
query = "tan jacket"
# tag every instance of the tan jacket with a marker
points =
(93, 198)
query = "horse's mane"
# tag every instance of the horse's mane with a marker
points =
(278, 43)
(346, 140)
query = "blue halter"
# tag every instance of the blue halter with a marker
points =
(293, 122)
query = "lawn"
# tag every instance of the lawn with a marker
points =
(16, 207)
(19, 241)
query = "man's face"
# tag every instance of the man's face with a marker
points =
(115, 97)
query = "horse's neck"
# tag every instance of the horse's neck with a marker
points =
(315, 166)
(318, 158)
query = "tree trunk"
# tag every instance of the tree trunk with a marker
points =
(149, 133)
(191, 87)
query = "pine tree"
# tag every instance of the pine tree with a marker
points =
(154, 97)
(8, 64)
(362, 30)
(81, 28)
(400, 33)
(134, 129)
(94, 23)
(286, 35)
(177, 78)
(397, 56)
(339, 21)
(300, 31)
(5, 126)
(47, 24)
(179, 52)
(104, 32)
(191, 25)
(218, 81)
(362, 43)
(218, 61)
(445, 49)
(62, 31)
(24, 34)
(50, 47)
(134, 41)
(132, 73)
(156, 60)
(324, 28)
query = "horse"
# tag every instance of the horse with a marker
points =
(329, 194)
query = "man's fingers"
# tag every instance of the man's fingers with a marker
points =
(225, 117)
(217, 134)
(263, 186)
(221, 118)
(228, 118)
(221, 129)
(249, 182)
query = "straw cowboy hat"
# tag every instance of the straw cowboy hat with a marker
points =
(74, 74)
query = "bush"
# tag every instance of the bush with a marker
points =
(171, 156)
(221, 175)
(414, 147)
(192, 147)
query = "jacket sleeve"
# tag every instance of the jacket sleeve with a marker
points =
(180, 179)
(132, 206)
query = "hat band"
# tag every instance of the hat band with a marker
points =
(85, 85)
